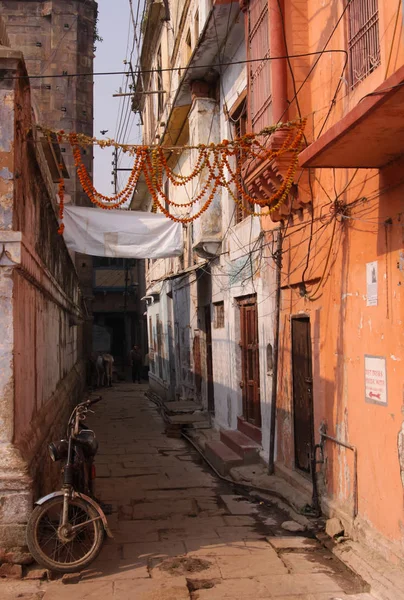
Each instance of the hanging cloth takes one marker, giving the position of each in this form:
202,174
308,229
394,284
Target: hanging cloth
121,233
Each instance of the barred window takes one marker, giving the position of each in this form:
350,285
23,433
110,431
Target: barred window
364,42
238,118
259,69
218,315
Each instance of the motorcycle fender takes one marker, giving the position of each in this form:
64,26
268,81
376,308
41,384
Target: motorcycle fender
87,499
48,497
99,511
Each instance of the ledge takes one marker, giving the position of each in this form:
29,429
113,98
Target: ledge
369,136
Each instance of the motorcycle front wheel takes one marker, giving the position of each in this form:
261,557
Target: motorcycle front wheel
67,549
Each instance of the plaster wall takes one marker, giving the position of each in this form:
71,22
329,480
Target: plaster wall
244,268
324,277
42,372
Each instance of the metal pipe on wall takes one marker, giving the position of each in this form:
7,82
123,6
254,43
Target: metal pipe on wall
279,90
279,84
325,436
272,433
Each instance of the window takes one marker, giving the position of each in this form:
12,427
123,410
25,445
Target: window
259,75
238,120
188,46
159,75
196,24
218,321
364,43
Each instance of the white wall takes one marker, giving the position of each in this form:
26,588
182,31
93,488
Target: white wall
244,268
244,265
160,365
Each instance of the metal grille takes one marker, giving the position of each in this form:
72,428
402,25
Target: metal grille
364,43
260,79
239,119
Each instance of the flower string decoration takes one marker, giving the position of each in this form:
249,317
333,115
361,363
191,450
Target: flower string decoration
216,166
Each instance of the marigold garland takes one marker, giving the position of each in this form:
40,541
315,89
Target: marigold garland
210,165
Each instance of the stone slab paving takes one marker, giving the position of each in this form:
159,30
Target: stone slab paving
179,532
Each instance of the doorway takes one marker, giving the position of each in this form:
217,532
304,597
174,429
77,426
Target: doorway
209,359
250,372
303,417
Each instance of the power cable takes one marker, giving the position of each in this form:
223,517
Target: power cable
171,69
68,30
319,53
288,60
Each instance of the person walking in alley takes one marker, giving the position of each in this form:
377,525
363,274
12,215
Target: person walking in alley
136,362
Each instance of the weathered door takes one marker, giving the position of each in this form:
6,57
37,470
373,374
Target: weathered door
302,392
250,380
209,360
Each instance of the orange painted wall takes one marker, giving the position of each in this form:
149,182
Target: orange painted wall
343,327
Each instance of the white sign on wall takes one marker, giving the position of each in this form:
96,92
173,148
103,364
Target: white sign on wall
371,283
375,379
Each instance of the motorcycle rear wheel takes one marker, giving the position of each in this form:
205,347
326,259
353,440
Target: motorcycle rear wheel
68,555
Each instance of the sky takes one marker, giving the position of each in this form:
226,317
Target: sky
113,114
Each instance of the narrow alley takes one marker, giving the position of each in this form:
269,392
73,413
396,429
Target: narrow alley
179,532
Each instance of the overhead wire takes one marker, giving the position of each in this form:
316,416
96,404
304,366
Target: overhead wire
128,119
319,55
172,69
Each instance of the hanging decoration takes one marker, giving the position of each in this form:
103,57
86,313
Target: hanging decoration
216,165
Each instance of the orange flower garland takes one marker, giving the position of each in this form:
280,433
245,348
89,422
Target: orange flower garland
211,162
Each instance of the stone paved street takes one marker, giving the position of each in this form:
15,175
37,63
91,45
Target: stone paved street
181,533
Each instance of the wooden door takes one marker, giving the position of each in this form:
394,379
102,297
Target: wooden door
302,392
250,380
209,360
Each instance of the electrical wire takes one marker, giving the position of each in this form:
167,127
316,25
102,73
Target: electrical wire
172,69
320,54
48,60
295,97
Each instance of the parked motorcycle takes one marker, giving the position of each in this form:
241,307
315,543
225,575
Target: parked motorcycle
66,529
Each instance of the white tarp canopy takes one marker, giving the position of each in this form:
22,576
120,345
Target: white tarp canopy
121,233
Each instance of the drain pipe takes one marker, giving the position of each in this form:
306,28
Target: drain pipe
272,433
324,436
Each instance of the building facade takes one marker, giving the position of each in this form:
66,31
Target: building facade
58,38
196,301
42,368
288,327
44,290
340,339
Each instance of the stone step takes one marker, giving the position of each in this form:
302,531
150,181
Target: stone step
251,431
180,407
222,457
245,447
198,420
